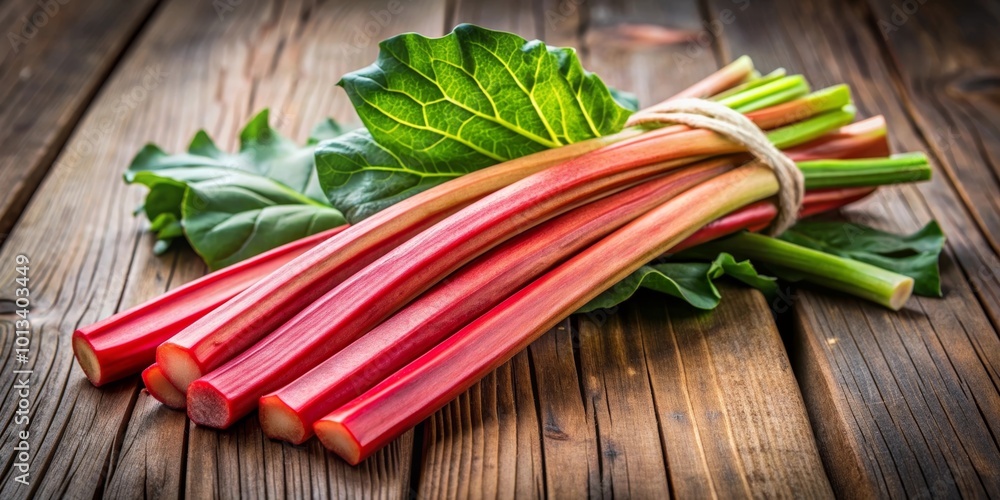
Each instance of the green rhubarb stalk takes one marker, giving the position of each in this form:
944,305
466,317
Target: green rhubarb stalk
751,84
821,100
898,169
846,275
807,130
777,92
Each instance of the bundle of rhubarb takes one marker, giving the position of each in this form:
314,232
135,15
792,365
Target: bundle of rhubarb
494,190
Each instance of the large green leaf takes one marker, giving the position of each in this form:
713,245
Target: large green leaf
438,108
264,154
692,282
231,219
360,177
915,255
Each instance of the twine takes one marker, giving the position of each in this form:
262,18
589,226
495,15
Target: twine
701,113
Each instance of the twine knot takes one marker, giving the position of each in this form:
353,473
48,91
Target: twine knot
701,113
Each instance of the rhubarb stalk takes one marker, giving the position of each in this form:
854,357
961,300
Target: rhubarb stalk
289,413
125,343
328,324
853,277
371,420
219,336
758,216
161,389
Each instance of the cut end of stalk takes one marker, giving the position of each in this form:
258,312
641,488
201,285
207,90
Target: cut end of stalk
87,359
161,389
901,294
178,365
279,421
338,438
207,406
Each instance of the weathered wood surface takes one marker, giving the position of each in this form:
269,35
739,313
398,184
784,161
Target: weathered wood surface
633,433
648,400
904,404
53,59
90,257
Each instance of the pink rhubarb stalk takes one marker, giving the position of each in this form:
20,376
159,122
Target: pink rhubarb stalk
759,216
368,297
125,343
228,330
373,419
161,389
471,291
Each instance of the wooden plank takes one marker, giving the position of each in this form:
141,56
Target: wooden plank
487,442
715,440
903,404
731,419
944,54
572,465
217,69
599,387
55,57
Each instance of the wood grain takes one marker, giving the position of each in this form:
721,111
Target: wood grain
604,429
215,69
645,401
53,60
487,443
951,81
903,404
662,48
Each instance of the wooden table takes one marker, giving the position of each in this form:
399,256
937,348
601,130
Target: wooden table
813,394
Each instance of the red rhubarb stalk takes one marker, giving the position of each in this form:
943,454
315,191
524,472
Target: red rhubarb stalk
862,139
471,291
161,389
373,419
368,297
208,343
289,413
125,343
758,216
271,301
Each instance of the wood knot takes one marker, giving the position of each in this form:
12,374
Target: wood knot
554,432
976,84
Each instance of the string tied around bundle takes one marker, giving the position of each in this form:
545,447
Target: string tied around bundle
733,125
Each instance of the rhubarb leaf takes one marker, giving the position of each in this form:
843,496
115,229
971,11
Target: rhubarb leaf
915,255
243,215
479,97
439,108
692,282
263,153
360,177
